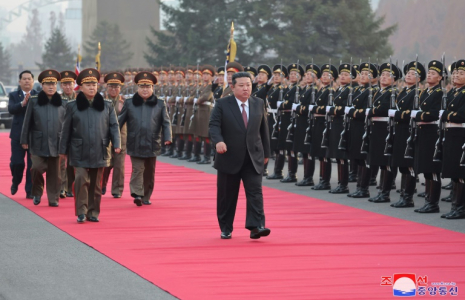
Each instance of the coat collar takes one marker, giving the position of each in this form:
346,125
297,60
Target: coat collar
42,99
138,101
82,103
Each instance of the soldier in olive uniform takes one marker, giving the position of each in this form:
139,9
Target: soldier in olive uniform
379,131
401,115
67,83
148,124
357,128
176,104
191,112
202,116
329,73
274,97
454,139
41,131
285,141
188,109
89,127
114,81
171,105
231,68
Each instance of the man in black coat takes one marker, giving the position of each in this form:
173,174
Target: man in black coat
239,131
17,107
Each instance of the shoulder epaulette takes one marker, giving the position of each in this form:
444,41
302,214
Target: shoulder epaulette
34,96
438,89
73,100
108,100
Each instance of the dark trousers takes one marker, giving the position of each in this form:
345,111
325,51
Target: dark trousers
228,191
50,166
142,177
88,191
17,165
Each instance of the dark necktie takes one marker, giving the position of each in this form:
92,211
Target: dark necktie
244,115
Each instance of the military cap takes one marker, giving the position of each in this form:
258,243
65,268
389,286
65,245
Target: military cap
411,66
357,68
313,68
460,64
234,66
49,76
156,71
181,70
114,78
209,69
280,69
171,70
251,70
127,72
345,68
386,67
437,66
68,76
264,69
370,68
163,70
89,75
452,67
145,78
190,69
297,68
330,69
220,71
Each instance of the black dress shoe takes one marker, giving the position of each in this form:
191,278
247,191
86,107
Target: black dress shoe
62,194
93,219
104,190
352,178
36,200
421,194
305,182
138,201
383,198
225,235
447,199
265,173
340,189
146,202
204,161
53,204
428,208
322,186
257,233
69,194
362,193
456,214
447,186
402,203
275,176
185,157
29,196
116,196
288,179
351,194
81,218
373,182
194,158
14,188
374,198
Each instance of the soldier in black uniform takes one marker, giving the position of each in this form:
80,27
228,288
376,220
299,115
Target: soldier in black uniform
253,73
454,138
217,86
307,98
357,123
379,117
353,167
336,113
261,88
273,98
287,118
329,73
401,115
426,119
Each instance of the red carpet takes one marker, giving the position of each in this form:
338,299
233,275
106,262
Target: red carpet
316,250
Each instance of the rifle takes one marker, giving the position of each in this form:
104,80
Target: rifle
409,151
343,142
308,131
366,136
391,123
291,127
197,97
176,112
183,117
277,124
325,139
437,156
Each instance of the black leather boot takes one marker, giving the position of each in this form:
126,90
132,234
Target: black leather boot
278,168
407,190
433,198
169,150
180,148
386,185
456,190
188,154
353,171
448,186
292,170
364,184
207,150
359,178
196,156
343,175
459,211
325,168
309,169
451,195
176,148
428,184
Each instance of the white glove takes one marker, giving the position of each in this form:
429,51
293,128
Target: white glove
177,99
440,113
367,111
310,107
270,81
279,103
392,112
328,108
294,106
414,113
347,109
195,100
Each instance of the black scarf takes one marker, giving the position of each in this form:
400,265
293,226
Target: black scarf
137,100
42,99
82,103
